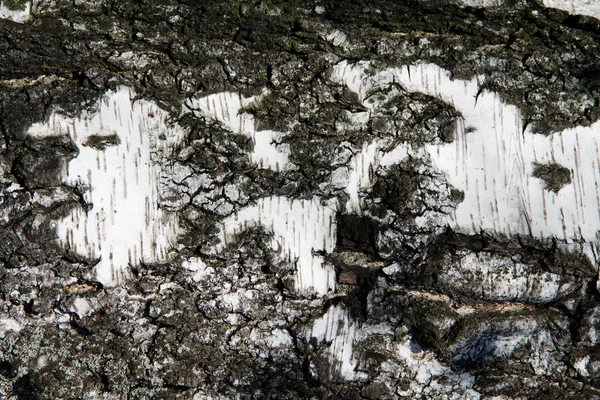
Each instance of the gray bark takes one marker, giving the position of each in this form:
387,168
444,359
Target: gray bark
390,306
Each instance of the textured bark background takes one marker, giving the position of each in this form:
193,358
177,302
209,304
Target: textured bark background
299,199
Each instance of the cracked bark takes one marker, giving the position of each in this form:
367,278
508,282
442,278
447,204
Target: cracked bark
302,231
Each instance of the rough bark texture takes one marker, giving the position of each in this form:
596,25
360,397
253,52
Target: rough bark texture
422,310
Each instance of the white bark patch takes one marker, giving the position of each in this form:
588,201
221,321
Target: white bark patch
422,364
81,307
279,338
493,163
299,227
361,166
228,109
10,324
590,8
19,16
337,38
122,148
581,366
394,156
232,300
480,3
337,328
198,267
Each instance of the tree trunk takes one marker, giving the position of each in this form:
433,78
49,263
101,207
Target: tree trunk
299,199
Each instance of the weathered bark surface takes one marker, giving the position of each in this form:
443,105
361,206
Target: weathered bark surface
299,199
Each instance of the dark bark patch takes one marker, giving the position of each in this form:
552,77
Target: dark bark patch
101,142
554,175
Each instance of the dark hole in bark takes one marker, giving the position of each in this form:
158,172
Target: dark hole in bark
357,233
